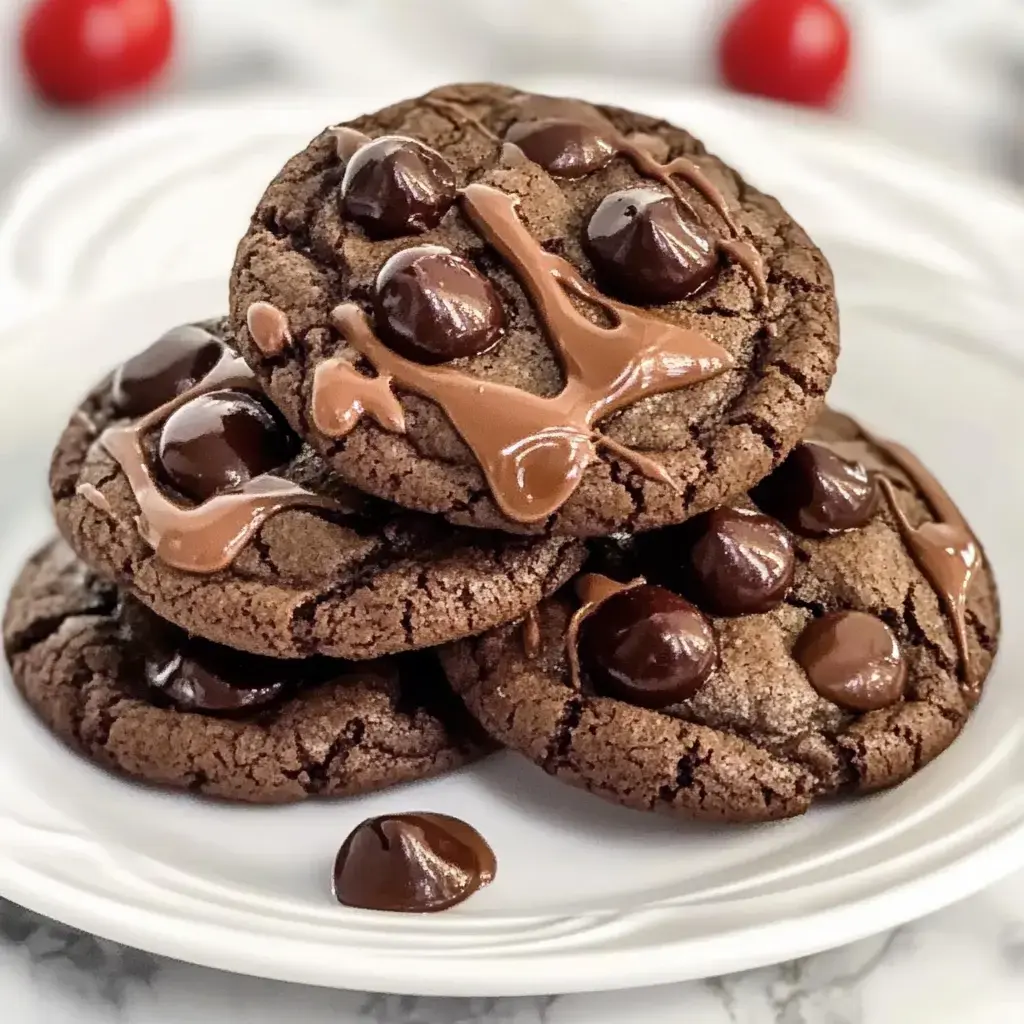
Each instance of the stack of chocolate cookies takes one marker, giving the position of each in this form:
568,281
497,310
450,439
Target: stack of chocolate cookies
514,435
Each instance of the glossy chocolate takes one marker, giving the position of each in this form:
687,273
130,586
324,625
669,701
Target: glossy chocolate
175,362
742,562
817,492
197,675
412,864
566,149
221,440
532,449
204,538
946,551
396,186
647,248
647,646
852,659
434,306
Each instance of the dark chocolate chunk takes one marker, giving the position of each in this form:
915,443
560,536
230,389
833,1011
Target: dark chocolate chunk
566,149
742,561
175,362
817,492
411,863
647,646
647,248
221,440
853,660
432,305
397,186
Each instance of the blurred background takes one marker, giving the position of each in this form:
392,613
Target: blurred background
941,76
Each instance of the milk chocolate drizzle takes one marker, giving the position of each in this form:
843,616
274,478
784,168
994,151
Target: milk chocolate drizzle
207,537
946,551
593,590
531,634
533,450
269,328
347,141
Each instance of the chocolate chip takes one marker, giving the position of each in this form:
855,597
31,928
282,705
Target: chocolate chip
221,440
397,186
411,863
742,561
647,646
853,660
566,149
643,243
432,305
817,492
220,683
196,675
175,362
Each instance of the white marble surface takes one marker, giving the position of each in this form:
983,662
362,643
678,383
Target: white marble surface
965,964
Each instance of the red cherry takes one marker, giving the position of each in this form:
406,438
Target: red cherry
794,50
82,51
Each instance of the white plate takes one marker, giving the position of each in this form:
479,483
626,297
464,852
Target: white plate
588,896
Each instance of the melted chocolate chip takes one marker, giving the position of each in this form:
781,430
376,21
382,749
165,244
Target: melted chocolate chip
852,659
742,561
411,863
175,362
647,646
646,247
566,149
397,186
432,306
817,492
221,440
196,675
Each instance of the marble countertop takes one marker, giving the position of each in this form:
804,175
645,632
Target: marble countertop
964,965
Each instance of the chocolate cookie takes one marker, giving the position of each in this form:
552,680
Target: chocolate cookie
533,314
142,698
179,481
830,634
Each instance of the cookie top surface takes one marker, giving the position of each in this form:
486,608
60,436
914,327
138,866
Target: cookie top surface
141,697
210,512
533,314
761,665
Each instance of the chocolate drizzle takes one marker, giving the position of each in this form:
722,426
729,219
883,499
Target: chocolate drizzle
268,327
533,450
531,635
347,140
593,590
945,551
603,136
207,537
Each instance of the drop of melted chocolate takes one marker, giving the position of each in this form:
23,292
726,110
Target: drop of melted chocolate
433,306
647,249
397,186
196,675
411,863
647,646
221,440
175,362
